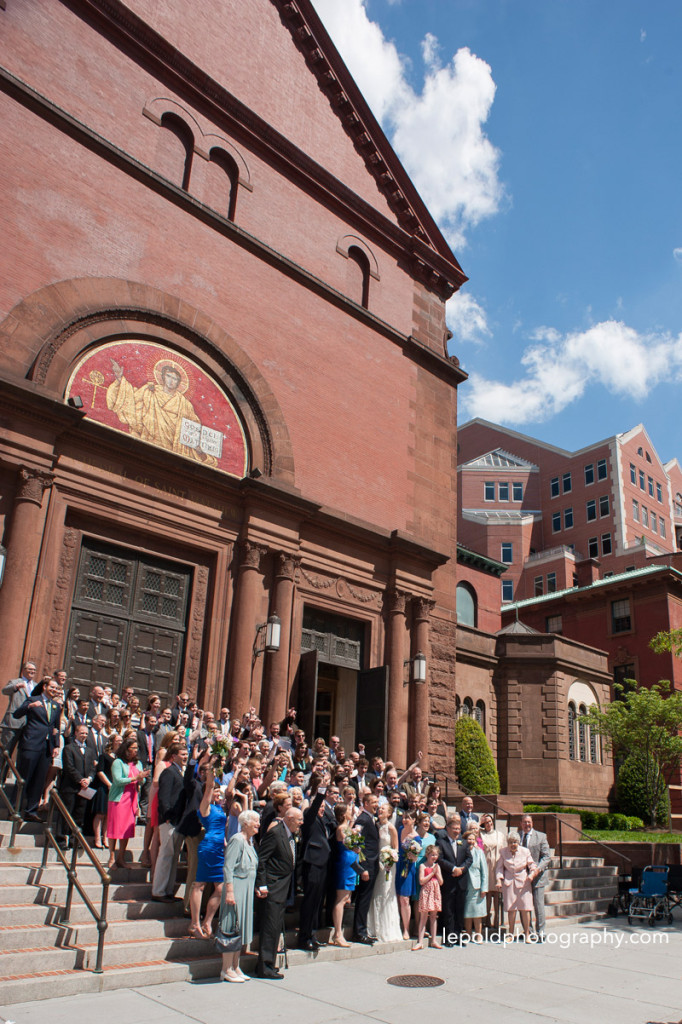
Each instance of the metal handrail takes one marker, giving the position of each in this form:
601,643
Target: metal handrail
13,809
545,815
78,840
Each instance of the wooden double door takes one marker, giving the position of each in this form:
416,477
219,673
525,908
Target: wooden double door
128,621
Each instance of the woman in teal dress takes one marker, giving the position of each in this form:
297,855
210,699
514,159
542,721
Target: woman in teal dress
406,884
210,854
347,871
477,887
239,882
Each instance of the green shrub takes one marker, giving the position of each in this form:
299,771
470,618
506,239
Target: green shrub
588,819
631,790
476,769
619,822
634,822
603,821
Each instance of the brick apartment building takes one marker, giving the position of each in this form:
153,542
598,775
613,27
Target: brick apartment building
224,381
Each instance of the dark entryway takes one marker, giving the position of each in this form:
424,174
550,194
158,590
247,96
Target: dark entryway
128,621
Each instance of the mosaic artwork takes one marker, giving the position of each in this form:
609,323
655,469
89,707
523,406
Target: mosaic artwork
161,397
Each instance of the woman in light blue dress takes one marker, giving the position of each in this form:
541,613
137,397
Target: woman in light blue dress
477,887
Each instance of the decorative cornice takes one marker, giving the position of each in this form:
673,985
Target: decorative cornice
422,608
252,554
287,565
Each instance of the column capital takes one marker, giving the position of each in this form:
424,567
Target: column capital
32,484
252,554
286,565
395,600
422,608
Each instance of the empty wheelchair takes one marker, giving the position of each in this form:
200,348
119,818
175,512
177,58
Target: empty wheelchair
651,901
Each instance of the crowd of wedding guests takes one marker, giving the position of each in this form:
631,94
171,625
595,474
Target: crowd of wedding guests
266,818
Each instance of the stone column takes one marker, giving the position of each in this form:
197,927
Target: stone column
244,621
276,669
420,703
398,693
23,551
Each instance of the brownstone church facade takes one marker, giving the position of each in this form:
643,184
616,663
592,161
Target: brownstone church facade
225,391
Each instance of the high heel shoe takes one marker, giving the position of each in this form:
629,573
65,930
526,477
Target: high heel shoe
229,975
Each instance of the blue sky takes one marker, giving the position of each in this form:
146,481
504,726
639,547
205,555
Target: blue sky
546,137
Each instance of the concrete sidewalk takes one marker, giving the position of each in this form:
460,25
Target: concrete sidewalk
602,973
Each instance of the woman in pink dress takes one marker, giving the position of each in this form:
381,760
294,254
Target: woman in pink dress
126,775
515,871
430,902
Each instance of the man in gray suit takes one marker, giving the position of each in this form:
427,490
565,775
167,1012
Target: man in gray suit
541,854
17,690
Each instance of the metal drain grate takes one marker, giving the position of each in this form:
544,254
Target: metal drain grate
415,981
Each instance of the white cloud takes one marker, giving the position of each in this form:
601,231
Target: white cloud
437,133
559,368
466,318
677,254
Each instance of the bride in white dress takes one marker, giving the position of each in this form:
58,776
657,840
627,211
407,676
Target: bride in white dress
383,920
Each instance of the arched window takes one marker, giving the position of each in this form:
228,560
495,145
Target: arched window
571,731
582,734
223,182
176,149
594,746
358,276
467,605
479,713
468,707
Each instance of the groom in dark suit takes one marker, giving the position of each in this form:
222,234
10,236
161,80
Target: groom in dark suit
39,739
78,770
319,827
276,865
366,824
455,861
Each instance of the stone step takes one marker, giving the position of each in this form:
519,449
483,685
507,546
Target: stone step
592,872
577,862
30,914
135,975
54,874
27,841
555,884
18,893
576,908
582,893
32,936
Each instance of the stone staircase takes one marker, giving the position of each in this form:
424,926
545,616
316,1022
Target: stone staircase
579,891
146,942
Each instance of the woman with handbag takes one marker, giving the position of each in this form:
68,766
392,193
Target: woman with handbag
236,907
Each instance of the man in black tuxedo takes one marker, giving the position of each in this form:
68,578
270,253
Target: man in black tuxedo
78,770
276,865
455,861
171,810
366,824
81,717
319,827
39,739
96,741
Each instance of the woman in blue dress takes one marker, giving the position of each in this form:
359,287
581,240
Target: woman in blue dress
347,871
406,881
210,854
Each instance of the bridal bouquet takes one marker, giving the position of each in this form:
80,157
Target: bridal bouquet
412,851
387,858
354,840
221,749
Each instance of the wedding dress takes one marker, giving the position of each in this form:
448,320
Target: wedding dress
383,919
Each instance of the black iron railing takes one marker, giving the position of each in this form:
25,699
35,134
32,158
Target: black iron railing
12,804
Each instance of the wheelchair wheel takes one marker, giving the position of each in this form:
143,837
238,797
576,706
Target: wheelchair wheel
670,918
652,920
629,920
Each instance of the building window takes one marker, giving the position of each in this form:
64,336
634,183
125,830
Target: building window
620,616
567,483
551,582
479,714
604,505
654,522
507,550
635,510
647,457
594,745
554,624
538,586
645,516
503,491
582,734
226,183
591,510
606,543
517,491
662,523
640,451
507,590
593,547
571,731
568,518
650,483
641,480
633,474
489,490
466,604
601,469
556,522
659,493
358,276
589,473
623,672
678,504
554,487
